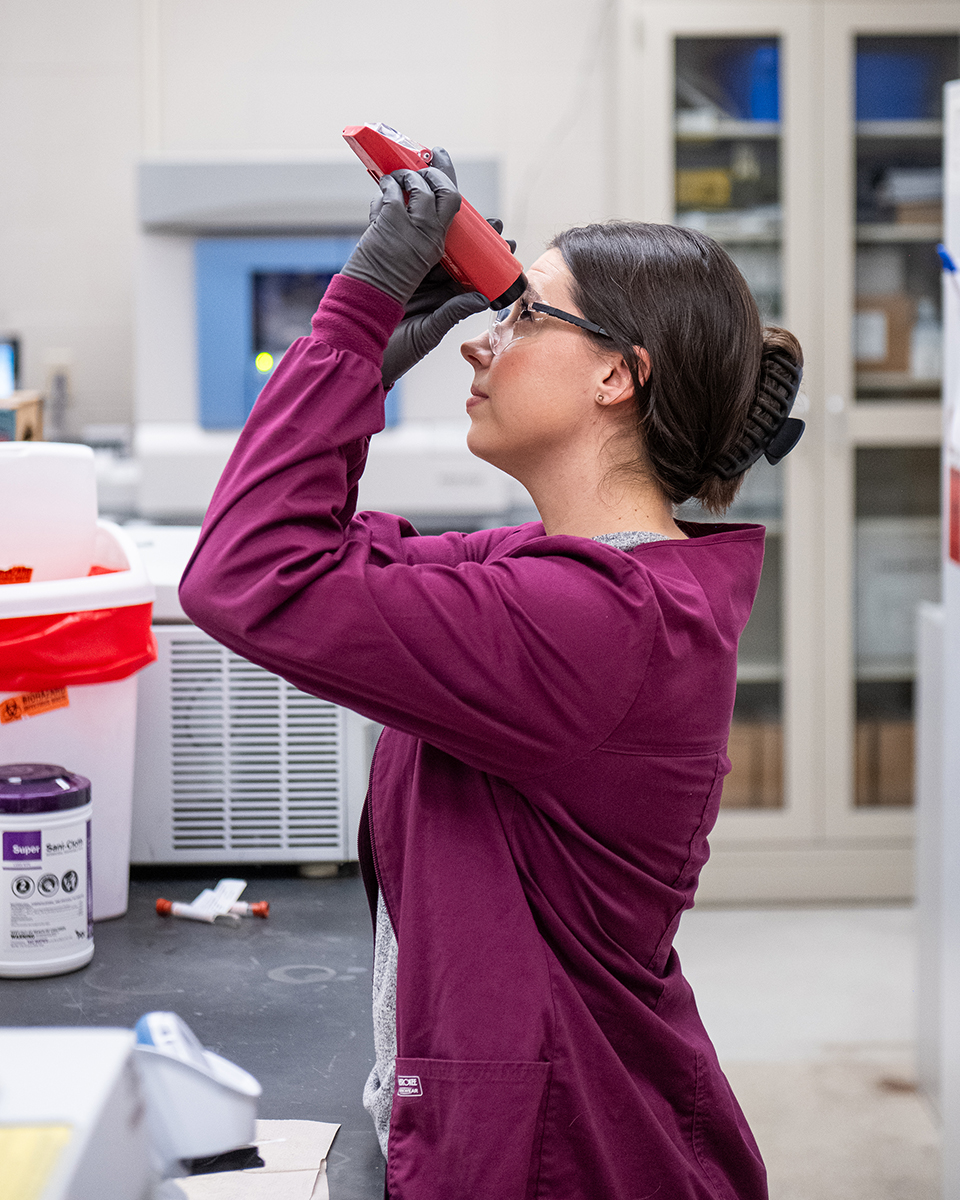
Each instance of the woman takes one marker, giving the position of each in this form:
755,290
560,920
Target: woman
557,696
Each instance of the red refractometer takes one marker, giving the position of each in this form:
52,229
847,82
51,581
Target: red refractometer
475,254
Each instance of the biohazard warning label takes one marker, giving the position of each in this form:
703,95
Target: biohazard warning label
18,574
32,704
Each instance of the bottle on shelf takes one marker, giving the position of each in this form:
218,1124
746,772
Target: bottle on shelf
926,339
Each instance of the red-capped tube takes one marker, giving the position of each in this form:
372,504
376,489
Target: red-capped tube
176,908
475,254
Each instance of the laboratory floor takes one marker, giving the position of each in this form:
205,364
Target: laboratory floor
813,1013
811,1010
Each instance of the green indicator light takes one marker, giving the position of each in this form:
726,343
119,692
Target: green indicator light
264,362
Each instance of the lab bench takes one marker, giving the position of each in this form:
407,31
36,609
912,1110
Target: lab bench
288,998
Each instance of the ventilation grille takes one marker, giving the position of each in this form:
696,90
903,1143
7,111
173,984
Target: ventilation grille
256,763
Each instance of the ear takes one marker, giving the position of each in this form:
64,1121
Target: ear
617,385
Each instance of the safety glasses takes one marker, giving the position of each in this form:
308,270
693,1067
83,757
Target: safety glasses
523,318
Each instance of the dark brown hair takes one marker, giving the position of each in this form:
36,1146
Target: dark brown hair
677,294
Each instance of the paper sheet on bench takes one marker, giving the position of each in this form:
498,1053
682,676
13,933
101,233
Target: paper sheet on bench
294,1169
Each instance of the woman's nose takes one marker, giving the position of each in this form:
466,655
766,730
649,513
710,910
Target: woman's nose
477,351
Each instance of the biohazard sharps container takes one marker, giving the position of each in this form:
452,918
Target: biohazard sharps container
46,920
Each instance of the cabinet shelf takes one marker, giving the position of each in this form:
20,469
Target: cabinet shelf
893,232
733,516
740,238
900,129
734,230
773,525
759,672
885,670
896,384
699,128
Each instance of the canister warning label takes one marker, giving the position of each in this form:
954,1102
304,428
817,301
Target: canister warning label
17,574
32,704
43,890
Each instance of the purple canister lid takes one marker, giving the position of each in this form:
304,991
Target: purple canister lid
40,788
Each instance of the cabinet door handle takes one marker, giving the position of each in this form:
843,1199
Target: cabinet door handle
836,423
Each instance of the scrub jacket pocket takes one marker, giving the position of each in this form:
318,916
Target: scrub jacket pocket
465,1130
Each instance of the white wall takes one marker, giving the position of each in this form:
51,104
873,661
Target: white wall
69,138
165,376
89,89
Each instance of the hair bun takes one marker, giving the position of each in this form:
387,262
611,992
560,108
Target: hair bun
770,430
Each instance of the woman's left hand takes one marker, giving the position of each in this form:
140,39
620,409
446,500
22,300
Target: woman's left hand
405,239
438,304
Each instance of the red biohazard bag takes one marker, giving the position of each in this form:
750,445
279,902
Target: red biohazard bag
62,649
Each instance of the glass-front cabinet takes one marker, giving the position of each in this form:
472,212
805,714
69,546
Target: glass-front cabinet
728,185
898,213
897,355
897,565
806,137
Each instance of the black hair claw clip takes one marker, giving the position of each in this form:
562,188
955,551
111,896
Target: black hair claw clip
771,432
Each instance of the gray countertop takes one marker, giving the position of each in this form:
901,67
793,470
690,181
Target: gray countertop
287,999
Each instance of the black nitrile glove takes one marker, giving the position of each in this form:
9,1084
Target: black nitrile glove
420,332
435,307
405,238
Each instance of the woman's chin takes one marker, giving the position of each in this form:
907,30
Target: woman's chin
476,444
493,455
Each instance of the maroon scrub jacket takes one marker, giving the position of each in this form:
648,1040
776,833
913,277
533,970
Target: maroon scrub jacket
557,714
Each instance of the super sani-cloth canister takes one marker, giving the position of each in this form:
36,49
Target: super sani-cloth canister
46,920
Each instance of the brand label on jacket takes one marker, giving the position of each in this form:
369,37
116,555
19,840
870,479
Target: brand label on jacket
409,1085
